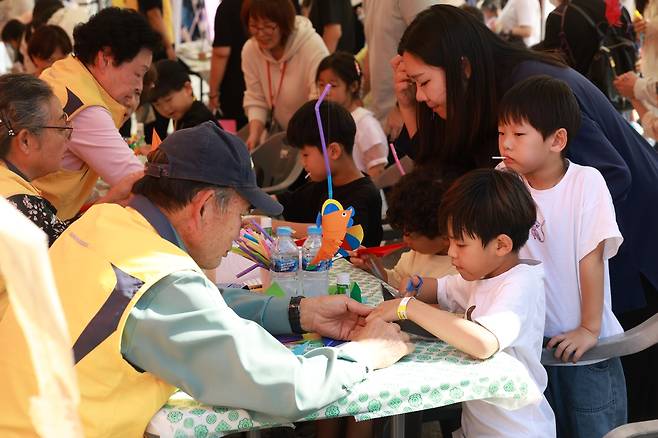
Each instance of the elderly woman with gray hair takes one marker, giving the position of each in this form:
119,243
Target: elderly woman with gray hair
33,133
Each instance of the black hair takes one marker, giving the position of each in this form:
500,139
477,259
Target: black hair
172,194
45,40
413,203
171,76
476,12
546,103
451,38
42,12
346,67
337,123
24,104
485,203
13,31
124,31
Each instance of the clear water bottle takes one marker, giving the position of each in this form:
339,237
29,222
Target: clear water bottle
285,262
315,279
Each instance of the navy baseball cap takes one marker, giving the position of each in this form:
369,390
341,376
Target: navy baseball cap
208,154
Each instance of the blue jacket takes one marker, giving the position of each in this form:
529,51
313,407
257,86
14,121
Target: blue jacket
630,168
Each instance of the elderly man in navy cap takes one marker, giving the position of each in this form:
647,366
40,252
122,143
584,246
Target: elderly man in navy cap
144,320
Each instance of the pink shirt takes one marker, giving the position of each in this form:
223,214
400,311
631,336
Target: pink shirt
97,142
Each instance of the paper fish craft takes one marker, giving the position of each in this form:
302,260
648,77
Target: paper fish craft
339,233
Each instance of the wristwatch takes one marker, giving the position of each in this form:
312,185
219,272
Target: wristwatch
293,314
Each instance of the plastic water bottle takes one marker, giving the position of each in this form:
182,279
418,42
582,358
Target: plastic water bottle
285,262
315,279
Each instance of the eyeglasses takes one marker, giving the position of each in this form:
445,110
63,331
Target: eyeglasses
66,130
267,29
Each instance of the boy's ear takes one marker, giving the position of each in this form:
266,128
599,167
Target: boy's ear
466,67
559,140
188,88
504,245
335,150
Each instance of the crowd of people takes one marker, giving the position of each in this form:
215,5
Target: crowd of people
529,214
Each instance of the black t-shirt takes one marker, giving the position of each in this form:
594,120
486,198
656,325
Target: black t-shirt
229,32
581,37
304,204
324,12
197,114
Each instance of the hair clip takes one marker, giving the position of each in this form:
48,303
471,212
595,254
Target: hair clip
4,121
156,170
358,68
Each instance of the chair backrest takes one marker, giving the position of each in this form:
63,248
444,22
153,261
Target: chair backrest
644,429
391,174
276,164
636,339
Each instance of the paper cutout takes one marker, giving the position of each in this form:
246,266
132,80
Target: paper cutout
155,140
338,232
355,292
397,160
275,291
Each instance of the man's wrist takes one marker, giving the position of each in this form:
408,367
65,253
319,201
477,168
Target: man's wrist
295,313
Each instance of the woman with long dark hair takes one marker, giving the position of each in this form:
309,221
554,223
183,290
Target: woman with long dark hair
450,77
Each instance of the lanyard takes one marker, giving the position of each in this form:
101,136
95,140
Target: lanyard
269,83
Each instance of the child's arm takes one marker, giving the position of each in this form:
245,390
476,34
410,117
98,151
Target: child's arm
467,336
300,230
427,291
578,341
366,263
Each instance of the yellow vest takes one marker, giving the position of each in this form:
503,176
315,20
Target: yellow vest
166,13
102,263
11,184
76,88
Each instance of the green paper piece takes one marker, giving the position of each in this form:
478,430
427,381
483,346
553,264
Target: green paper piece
332,290
275,290
355,292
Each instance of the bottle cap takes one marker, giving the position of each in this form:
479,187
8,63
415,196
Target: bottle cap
283,231
314,230
343,278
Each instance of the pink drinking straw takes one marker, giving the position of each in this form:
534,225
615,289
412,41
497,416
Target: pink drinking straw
322,139
397,160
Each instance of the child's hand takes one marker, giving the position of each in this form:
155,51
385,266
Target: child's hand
575,342
359,262
388,311
408,286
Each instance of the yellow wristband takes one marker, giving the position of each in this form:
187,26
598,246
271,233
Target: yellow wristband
402,307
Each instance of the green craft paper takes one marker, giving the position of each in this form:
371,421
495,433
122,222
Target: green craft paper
275,291
355,292
332,290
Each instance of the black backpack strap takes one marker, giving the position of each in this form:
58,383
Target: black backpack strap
589,21
561,11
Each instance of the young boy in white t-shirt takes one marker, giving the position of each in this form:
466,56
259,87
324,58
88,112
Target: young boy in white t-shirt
487,215
574,236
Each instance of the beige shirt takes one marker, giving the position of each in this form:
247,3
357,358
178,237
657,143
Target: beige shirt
424,265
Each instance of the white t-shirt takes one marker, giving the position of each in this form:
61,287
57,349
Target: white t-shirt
370,144
522,13
572,219
511,306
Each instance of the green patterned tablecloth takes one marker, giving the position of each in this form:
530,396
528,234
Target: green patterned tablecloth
434,375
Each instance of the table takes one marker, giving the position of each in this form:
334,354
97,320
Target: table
434,375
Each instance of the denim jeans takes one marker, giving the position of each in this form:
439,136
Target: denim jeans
588,400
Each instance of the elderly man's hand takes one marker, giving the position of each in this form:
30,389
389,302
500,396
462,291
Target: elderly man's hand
333,316
380,343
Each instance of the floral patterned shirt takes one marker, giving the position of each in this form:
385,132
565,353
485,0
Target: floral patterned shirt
42,214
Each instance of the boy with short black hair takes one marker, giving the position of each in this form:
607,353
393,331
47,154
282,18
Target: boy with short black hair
350,187
487,215
173,97
574,236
